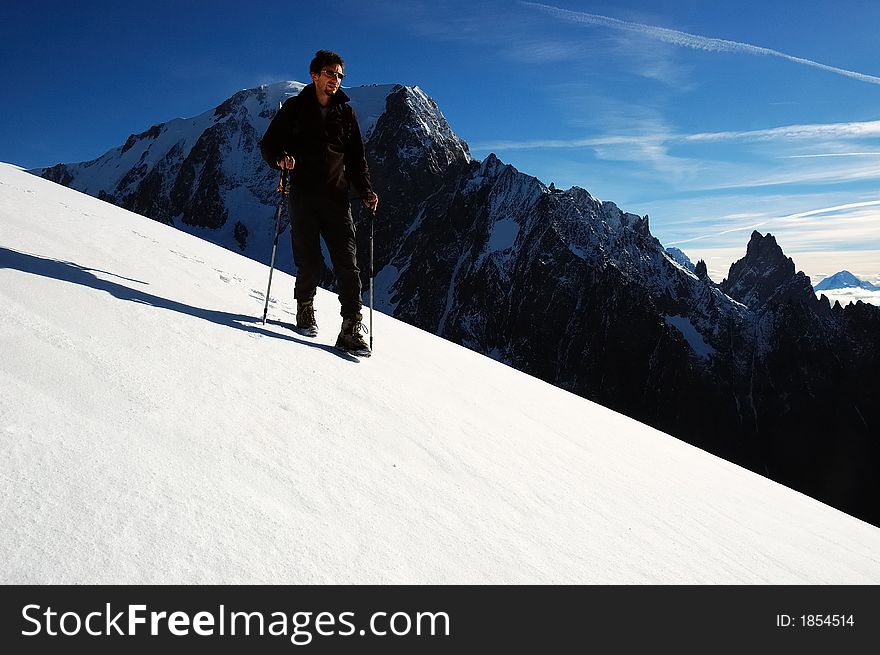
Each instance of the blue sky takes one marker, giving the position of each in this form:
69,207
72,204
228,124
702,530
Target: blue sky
713,118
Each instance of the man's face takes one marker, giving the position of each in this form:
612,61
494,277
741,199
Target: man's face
328,80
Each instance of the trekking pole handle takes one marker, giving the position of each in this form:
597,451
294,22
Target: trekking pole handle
283,182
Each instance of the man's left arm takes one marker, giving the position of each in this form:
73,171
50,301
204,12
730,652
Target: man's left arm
356,168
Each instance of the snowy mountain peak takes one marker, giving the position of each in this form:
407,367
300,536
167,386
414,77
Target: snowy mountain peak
679,256
205,173
414,121
844,280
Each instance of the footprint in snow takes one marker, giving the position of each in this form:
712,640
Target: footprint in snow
229,279
187,257
144,236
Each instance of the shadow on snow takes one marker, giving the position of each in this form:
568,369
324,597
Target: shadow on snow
76,274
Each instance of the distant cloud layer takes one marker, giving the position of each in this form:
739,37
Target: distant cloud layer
693,41
846,296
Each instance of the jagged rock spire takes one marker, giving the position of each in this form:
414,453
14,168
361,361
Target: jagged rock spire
766,275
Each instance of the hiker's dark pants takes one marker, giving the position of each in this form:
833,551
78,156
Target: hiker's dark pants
327,216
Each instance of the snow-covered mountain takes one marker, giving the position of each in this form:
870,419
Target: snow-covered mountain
555,283
844,280
846,288
155,432
678,255
205,174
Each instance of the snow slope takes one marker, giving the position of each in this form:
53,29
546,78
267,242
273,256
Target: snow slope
153,431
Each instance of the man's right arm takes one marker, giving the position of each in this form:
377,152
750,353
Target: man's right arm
276,144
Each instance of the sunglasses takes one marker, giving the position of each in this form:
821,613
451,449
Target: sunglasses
338,76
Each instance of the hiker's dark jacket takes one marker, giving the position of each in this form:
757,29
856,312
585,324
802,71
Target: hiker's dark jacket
329,151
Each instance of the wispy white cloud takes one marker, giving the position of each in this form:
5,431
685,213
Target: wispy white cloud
851,130
534,50
851,221
833,210
825,131
823,175
832,154
693,41
554,144
714,235
650,150
489,24
749,159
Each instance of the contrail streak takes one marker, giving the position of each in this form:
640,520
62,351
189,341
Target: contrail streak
803,214
830,210
833,154
694,41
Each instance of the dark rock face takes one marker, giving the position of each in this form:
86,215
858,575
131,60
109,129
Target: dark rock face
765,275
59,173
241,234
196,196
681,258
812,386
152,133
560,285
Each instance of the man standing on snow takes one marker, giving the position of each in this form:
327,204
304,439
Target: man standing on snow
316,135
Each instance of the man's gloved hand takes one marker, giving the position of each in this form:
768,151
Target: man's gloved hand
286,163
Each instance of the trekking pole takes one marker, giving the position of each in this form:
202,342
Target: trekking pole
283,184
372,220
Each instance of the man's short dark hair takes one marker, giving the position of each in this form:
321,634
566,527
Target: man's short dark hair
325,58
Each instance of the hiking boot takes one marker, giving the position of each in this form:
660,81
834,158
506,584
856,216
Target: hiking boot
350,338
305,318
